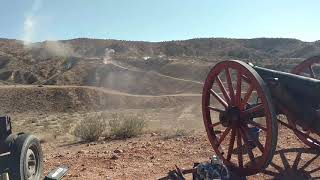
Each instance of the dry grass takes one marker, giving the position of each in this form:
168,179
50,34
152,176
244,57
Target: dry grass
91,128
126,126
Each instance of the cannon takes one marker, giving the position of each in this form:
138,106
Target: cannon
242,105
21,156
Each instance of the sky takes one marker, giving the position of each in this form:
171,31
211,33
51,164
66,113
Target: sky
158,20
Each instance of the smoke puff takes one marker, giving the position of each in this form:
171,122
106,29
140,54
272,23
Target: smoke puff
57,48
30,22
108,53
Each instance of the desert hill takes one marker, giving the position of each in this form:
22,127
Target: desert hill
67,99
126,74
133,67
50,87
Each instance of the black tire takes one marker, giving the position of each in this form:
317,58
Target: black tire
26,158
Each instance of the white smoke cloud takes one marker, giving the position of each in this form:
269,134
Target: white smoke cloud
108,53
28,30
57,48
30,22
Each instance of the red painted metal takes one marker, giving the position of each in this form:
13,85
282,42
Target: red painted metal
238,111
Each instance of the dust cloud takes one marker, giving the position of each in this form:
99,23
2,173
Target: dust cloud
108,53
30,23
61,49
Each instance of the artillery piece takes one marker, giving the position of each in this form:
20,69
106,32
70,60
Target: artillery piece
242,105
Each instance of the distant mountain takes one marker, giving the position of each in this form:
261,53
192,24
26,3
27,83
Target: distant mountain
135,66
207,47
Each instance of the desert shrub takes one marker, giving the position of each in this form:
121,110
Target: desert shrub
90,128
126,126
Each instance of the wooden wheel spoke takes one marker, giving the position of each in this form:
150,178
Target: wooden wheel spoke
231,144
312,74
259,145
251,156
245,140
215,109
296,161
309,162
246,97
255,109
313,140
238,92
215,124
239,147
229,81
309,138
224,134
222,101
314,170
223,89
256,141
277,167
252,122
247,80
270,173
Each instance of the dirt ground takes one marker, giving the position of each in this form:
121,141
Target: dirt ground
52,112
152,156
166,90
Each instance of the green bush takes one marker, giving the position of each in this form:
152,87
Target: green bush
91,128
126,126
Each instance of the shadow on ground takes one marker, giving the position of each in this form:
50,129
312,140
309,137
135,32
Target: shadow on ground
290,164
294,163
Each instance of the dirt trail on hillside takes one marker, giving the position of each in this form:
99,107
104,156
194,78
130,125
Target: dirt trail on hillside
154,72
109,91
26,98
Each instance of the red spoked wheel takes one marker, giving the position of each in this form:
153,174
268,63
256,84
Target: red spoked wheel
239,117
309,68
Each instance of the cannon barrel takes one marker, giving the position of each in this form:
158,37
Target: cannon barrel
299,94
304,87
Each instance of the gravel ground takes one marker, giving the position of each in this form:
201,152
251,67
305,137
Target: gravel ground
152,156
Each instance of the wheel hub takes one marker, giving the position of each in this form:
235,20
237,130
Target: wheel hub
231,117
31,164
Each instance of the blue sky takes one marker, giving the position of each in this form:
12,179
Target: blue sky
159,20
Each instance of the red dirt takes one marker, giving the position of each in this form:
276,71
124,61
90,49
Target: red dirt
152,157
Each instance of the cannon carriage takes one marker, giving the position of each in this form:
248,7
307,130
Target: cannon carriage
243,104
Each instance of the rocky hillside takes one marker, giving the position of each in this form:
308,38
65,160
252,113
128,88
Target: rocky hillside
140,67
59,99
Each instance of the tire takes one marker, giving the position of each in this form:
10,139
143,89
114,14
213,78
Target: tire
26,158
